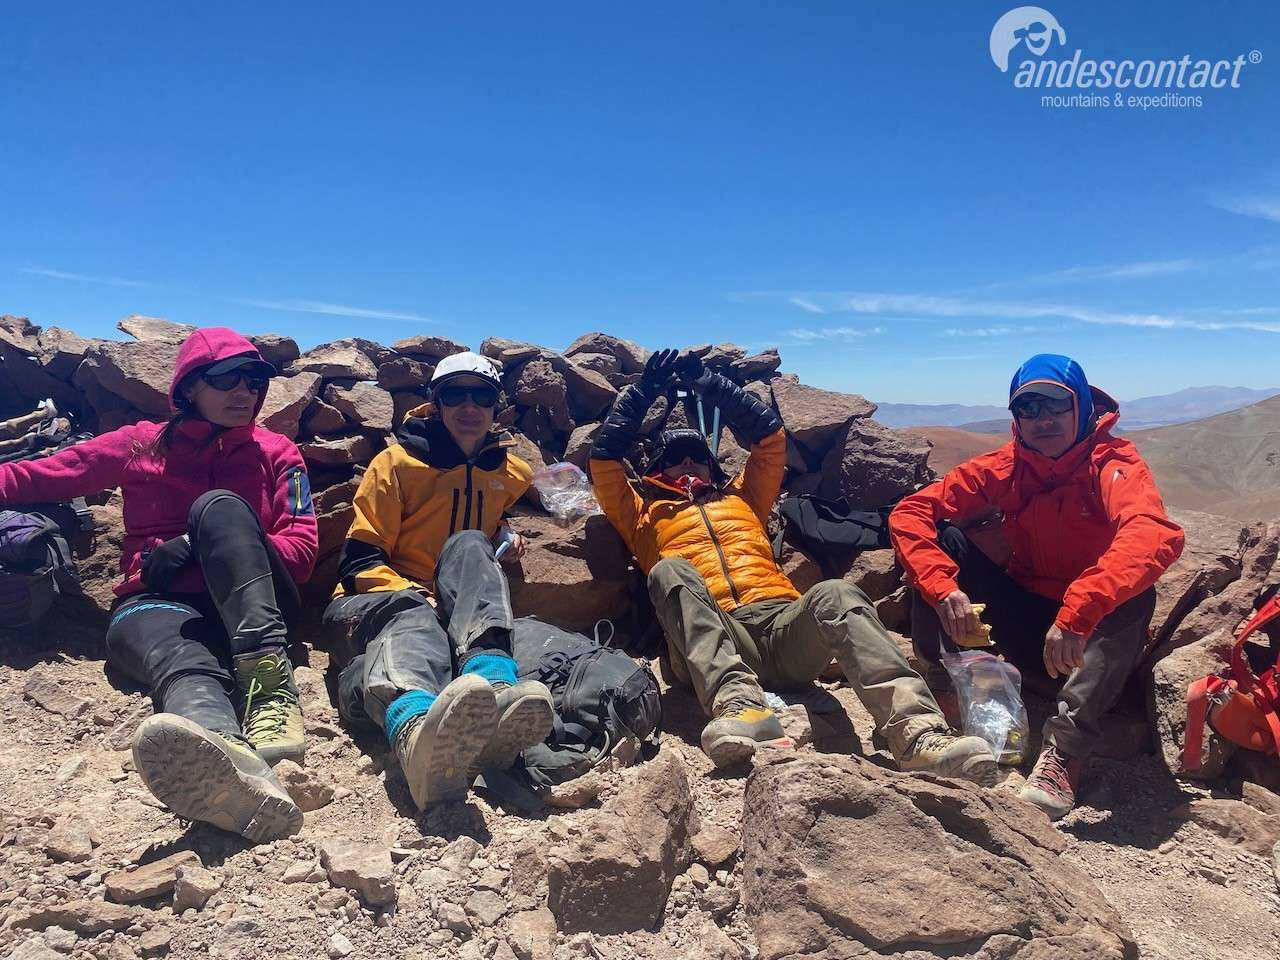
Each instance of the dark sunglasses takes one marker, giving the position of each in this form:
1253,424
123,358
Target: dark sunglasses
456,396
230,379
670,460
1031,408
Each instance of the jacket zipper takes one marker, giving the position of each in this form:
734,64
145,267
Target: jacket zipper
453,516
724,564
466,516
479,509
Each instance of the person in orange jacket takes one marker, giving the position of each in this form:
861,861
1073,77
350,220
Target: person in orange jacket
733,620
1087,536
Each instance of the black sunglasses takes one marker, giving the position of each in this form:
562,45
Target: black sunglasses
1031,408
456,396
230,379
678,456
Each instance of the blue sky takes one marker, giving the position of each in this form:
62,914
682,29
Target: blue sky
856,183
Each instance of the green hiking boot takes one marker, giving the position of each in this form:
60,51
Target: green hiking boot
526,713
272,717
733,736
205,776
438,750
944,753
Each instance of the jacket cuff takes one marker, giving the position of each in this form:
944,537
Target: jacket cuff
937,589
1071,621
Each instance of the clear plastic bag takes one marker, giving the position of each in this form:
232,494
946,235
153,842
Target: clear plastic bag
990,694
565,492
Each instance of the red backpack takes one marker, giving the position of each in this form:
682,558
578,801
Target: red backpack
1244,708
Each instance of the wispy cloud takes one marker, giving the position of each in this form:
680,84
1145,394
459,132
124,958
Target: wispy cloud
914,305
977,331
1123,271
81,278
1264,208
333,310
810,334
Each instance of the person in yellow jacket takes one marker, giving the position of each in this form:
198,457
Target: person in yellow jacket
733,620
422,601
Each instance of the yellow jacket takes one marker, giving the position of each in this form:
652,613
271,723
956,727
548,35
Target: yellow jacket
418,493
723,536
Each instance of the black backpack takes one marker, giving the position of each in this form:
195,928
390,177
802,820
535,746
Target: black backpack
828,532
36,561
601,696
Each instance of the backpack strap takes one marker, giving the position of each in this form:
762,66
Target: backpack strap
1197,719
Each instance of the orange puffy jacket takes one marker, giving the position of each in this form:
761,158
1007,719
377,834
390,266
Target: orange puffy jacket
724,537
1088,529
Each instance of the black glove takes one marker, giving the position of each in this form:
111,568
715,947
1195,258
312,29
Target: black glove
690,369
658,371
161,566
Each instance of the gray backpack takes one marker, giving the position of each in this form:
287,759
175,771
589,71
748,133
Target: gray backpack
601,696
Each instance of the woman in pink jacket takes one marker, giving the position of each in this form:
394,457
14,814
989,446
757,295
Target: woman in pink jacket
219,530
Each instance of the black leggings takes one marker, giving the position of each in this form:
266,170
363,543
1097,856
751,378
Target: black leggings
181,645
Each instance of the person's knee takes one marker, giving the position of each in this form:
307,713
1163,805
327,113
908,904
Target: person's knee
953,541
465,541
667,573
219,509
831,598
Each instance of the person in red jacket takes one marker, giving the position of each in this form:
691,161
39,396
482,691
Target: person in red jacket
219,529
1087,538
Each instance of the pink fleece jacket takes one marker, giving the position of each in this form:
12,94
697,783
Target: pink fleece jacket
261,466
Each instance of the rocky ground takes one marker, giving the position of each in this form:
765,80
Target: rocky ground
821,854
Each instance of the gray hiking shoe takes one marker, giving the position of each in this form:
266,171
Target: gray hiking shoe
525,715
438,751
733,736
943,753
201,775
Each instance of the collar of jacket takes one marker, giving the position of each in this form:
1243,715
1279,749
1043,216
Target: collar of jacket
659,488
427,438
202,432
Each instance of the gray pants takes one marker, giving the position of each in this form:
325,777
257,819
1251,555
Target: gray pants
401,642
784,644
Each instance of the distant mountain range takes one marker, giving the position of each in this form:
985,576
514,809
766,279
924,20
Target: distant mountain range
1193,403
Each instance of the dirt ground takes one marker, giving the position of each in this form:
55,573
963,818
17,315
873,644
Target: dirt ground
1186,893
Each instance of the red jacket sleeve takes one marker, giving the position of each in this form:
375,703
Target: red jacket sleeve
291,527
1145,545
968,489
79,470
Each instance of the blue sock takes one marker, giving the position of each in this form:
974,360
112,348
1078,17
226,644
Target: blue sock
404,708
494,667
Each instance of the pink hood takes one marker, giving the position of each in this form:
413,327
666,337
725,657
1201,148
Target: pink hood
205,347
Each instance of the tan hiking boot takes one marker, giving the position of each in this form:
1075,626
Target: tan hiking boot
526,713
206,776
439,749
943,753
1053,782
733,736
272,717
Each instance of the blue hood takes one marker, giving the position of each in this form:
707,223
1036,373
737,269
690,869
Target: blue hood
1065,372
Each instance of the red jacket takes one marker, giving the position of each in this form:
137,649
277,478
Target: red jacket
263,467
1088,529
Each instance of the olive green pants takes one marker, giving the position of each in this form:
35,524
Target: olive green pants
783,644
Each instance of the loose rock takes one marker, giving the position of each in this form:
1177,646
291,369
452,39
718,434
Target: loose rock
361,867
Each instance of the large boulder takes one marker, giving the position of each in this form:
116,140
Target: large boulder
430,347
616,873
405,373
138,372
816,418
363,403
20,334
155,329
872,466
61,351
539,384
571,576
1210,562
601,363
630,356
842,858
590,394
342,359
277,350
287,399
761,366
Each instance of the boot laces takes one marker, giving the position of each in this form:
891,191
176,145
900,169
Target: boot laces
268,701
1051,773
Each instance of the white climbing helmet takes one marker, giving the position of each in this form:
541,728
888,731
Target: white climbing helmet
465,364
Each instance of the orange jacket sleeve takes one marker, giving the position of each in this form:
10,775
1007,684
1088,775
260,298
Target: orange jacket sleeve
1145,545
617,498
967,489
760,480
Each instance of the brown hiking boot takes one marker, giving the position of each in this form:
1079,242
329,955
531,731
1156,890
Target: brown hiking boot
739,728
1053,782
944,753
